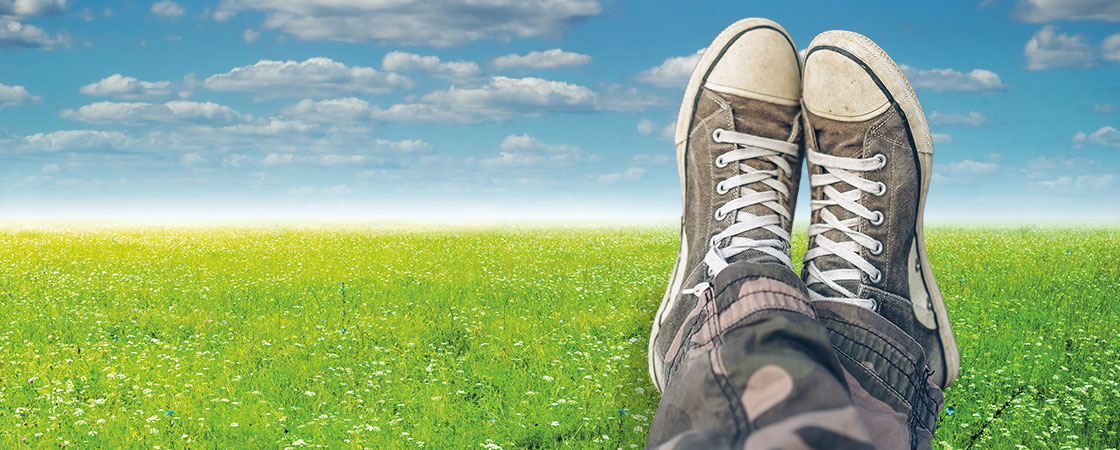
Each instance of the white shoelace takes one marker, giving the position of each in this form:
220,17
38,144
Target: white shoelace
728,242
838,169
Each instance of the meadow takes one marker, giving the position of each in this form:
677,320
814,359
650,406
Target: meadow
502,337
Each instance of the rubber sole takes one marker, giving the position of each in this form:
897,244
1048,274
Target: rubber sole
892,78
683,125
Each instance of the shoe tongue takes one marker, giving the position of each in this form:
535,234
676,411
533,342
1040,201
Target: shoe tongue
768,120
842,139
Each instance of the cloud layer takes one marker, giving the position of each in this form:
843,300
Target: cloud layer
673,72
15,96
952,80
117,85
409,62
384,22
548,59
134,113
314,77
1053,10
14,34
1104,136
1049,49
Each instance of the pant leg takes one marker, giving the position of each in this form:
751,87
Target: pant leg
755,365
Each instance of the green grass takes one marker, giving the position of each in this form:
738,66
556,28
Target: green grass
446,338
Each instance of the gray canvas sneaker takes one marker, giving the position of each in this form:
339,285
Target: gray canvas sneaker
869,153
738,152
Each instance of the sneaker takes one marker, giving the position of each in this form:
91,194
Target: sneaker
738,152
869,153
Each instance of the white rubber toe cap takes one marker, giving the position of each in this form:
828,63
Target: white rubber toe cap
762,65
838,88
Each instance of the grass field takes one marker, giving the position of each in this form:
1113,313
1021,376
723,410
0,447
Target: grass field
501,337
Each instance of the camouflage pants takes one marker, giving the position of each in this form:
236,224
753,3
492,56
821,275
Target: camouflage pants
755,365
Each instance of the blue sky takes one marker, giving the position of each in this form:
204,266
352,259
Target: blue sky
490,109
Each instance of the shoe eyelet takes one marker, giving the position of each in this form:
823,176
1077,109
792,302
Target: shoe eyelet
882,159
882,189
874,305
720,215
721,189
877,278
878,250
716,134
878,219
720,162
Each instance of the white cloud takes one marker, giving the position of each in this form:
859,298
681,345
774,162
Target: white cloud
315,77
278,158
1042,163
404,146
942,138
269,127
330,159
340,189
50,168
646,159
526,150
525,141
501,99
631,174
236,160
664,133
1110,48
409,62
627,98
190,159
1104,107
1049,49
335,160
14,34
15,96
77,139
1079,182
117,85
31,7
548,59
250,35
1105,136
969,167
167,8
131,113
450,23
973,118
335,110
370,155
530,93
1053,10
418,112
673,72
952,80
